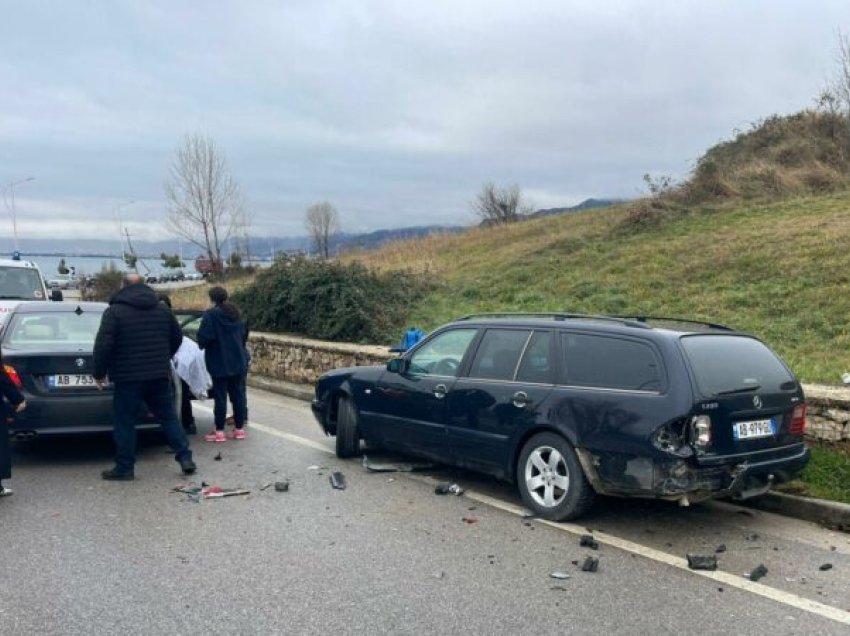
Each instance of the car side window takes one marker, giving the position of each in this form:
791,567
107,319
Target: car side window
442,354
536,366
498,354
612,363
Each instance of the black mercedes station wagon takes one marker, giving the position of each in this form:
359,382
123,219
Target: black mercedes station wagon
568,406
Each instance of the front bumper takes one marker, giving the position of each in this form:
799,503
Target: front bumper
614,474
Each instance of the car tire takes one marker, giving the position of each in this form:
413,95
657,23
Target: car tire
550,479
347,428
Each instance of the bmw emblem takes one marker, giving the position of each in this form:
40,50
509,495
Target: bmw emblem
757,401
80,362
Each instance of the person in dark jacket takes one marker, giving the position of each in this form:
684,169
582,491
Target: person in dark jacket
137,338
10,396
223,335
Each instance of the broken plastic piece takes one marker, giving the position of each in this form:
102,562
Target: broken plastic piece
702,562
587,541
448,489
591,564
217,457
758,573
337,480
281,486
559,575
825,567
215,492
720,548
469,520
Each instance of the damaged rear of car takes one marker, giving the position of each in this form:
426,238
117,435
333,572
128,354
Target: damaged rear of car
742,431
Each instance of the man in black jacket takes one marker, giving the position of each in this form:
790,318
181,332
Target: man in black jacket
137,338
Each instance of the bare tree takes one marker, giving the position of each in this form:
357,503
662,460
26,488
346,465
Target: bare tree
500,205
841,81
205,203
322,222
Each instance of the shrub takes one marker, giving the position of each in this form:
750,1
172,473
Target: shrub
103,284
330,301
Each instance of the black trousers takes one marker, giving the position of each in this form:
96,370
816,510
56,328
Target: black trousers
5,451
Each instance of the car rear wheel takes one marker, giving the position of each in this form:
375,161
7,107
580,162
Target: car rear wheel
347,429
551,481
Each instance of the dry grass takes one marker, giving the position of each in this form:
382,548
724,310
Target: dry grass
196,297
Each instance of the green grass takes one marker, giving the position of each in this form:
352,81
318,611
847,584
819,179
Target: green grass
779,270
826,477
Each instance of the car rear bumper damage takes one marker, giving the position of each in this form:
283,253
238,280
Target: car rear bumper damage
684,481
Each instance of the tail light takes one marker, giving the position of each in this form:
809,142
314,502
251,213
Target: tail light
13,375
797,426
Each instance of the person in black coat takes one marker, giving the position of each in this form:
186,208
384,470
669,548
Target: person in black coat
12,402
223,336
137,338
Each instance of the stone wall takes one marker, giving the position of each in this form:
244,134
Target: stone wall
302,361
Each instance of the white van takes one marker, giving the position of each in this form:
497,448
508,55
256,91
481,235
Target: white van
21,281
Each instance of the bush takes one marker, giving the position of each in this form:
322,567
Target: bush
330,301
104,284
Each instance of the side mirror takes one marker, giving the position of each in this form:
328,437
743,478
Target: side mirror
397,365
56,296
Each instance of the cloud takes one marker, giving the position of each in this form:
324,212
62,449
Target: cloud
396,112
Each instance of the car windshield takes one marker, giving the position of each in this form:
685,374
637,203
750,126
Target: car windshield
20,282
71,331
724,364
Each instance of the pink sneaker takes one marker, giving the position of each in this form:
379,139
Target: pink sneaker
218,436
239,433
229,433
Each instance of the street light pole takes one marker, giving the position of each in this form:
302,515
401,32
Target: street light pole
11,188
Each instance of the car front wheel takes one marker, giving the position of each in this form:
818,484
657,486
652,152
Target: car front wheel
550,479
347,429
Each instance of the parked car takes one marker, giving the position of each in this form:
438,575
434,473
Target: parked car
48,353
21,281
570,406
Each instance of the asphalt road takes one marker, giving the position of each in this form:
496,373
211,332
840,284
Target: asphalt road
82,556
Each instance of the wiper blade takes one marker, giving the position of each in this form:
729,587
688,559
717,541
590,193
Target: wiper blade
743,389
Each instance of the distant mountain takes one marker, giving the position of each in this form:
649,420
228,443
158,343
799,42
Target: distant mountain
372,240
587,204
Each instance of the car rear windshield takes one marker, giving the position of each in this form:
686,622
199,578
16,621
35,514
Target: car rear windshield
70,331
728,364
20,283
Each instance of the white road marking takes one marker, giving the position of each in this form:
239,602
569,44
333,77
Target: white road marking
718,576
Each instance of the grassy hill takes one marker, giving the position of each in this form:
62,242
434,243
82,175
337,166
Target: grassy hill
777,269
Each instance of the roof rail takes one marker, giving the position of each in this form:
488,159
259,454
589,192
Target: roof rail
686,321
622,320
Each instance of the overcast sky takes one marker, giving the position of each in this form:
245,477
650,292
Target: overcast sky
396,112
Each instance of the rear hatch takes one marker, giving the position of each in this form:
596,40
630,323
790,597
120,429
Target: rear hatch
753,402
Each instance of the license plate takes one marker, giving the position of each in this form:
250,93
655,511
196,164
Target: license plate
70,381
754,429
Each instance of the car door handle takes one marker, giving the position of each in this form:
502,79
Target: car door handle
440,391
520,399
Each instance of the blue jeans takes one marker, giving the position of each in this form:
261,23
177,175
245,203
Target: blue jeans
132,398
233,386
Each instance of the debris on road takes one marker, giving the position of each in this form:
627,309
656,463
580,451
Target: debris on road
439,575
448,489
559,575
394,467
587,541
217,457
469,520
265,486
825,567
591,564
702,561
337,480
281,486
215,492
558,588
720,549
758,573
752,537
